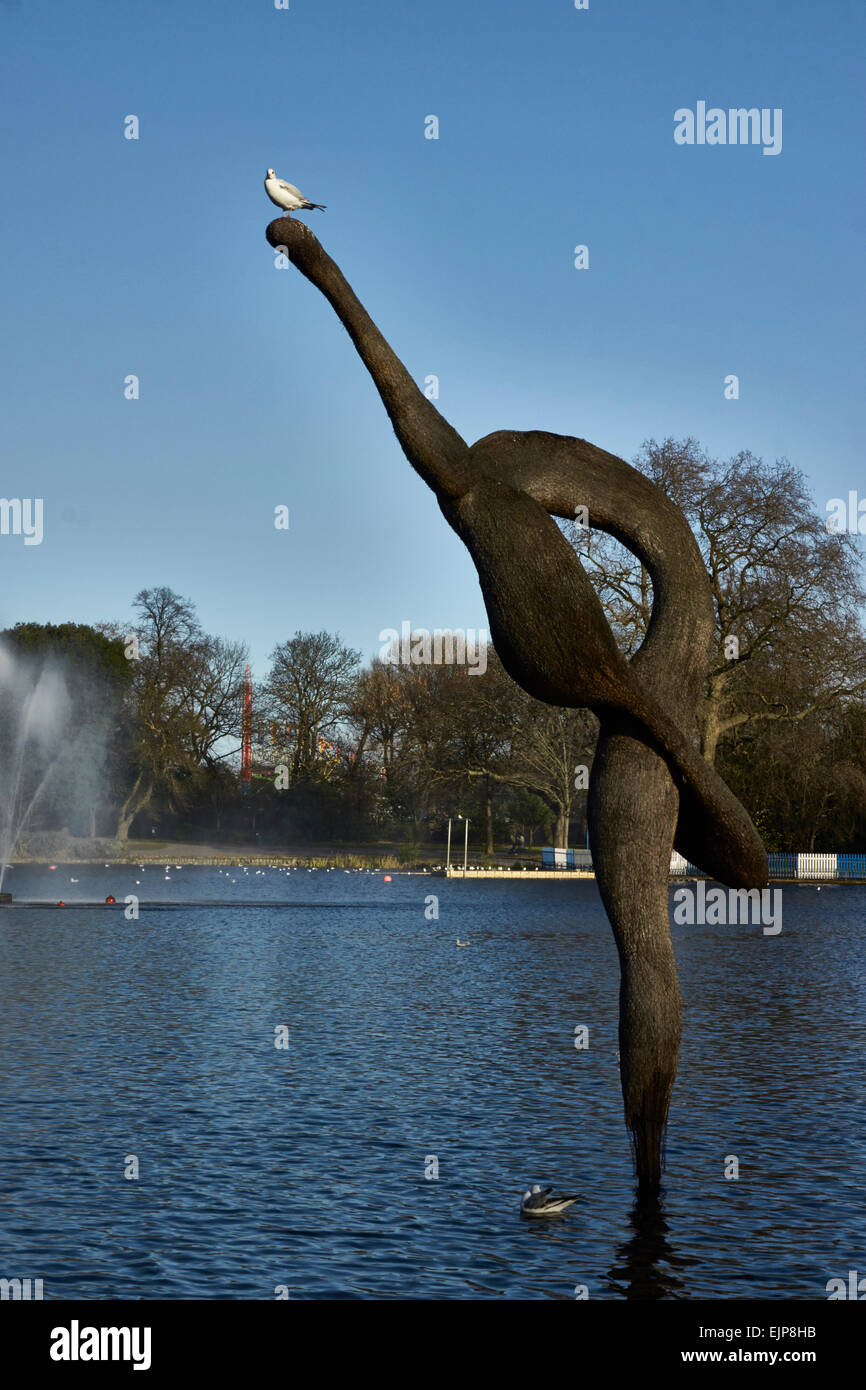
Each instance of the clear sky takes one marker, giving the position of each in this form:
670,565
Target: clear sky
556,128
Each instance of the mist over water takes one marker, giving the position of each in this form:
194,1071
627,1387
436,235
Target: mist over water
54,731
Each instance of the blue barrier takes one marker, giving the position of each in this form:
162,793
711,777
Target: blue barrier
783,865
806,866
566,859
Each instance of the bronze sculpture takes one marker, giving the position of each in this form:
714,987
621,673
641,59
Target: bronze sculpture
650,789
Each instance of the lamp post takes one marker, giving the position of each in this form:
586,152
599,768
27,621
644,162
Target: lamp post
465,844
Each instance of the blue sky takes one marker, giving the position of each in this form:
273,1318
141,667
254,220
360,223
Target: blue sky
556,128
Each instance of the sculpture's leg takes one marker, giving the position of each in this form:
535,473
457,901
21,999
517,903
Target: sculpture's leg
632,817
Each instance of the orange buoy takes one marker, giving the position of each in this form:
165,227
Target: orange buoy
61,903
52,866
110,899
387,878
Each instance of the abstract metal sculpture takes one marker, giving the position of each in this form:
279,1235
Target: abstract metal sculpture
650,789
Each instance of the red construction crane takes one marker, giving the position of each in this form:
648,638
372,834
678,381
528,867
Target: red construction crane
247,730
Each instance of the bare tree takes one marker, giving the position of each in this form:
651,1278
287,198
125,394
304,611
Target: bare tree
310,687
186,699
508,738
786,593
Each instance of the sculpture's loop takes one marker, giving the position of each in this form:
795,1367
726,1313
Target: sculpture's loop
530,575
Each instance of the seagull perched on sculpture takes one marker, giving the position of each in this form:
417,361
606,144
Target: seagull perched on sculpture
286,196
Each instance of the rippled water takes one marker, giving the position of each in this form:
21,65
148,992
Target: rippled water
262,1167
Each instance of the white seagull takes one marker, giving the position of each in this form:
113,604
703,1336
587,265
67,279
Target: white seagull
286,196
537,1203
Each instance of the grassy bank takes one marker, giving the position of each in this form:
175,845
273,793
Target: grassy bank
69,850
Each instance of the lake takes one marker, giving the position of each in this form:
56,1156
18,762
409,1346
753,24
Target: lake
304,1166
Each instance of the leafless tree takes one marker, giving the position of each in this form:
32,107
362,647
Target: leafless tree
310,687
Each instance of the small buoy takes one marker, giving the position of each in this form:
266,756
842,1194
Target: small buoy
52,866
61,903
387,878
110,899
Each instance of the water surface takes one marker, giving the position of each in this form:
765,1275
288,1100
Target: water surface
305,1167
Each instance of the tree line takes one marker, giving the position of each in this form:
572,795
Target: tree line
351,752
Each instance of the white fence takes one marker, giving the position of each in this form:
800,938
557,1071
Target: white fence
787,865
817,865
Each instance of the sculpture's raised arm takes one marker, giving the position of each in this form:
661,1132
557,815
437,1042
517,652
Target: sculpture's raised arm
649,785
432,446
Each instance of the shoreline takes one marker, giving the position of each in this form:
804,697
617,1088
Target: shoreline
372,864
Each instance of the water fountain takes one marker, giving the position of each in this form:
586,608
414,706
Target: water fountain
35,709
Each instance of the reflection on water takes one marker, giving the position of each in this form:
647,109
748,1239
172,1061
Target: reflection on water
648,1266
305,1167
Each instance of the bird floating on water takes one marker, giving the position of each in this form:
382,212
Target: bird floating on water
462,943
537,1203
286,196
